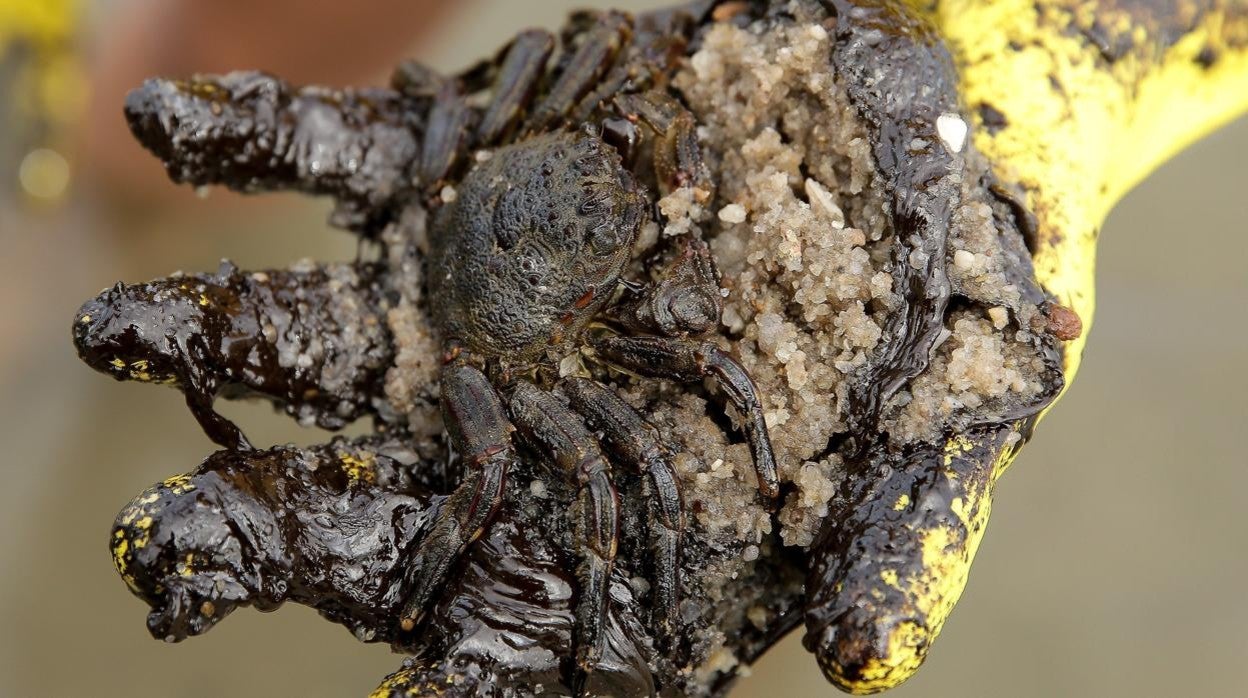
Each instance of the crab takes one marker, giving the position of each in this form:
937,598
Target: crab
537,196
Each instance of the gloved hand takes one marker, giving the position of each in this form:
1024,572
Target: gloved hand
1067,120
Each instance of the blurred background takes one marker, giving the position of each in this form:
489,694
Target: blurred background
1117,554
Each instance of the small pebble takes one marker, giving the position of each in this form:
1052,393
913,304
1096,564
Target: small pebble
952,131
1064,323
732,213
963,260
999,316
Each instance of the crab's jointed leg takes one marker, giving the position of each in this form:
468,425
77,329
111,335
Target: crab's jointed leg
558,432
581,69
677,153
631,439
688,360
446,135
481,433
518,79
645,62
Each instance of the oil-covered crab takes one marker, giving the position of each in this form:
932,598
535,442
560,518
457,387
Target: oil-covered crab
507,203
524,255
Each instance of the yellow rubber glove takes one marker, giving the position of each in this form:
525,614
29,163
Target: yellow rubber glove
1074,103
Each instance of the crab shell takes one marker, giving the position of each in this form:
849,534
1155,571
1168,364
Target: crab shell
532,244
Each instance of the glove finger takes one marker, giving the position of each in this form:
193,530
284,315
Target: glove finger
889,569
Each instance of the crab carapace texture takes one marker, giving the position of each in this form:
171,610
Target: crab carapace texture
506,202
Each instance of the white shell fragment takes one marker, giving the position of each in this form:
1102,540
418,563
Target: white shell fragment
952,131
963,260
821,202
732,213
999,316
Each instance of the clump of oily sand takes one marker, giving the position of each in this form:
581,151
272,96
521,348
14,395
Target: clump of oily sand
800,232
800,228
974,366
411,388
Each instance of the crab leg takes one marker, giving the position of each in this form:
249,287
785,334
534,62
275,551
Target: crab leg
658,41
254,132
691,360
479,428
599,46
314,341
445,135
518,80
677,154
553,428
636,442
615,80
